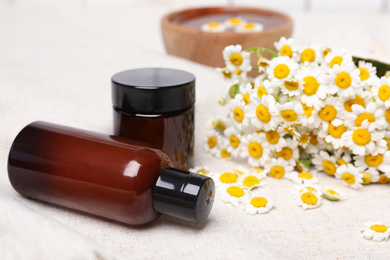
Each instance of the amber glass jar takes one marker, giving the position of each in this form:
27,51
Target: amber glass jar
108,176
156,105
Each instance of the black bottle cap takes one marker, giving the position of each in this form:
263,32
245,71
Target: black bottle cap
184,195
153,90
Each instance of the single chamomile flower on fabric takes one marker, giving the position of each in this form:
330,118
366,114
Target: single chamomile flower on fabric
311,53
213,27
380,161
332,193
367,73
236,58
371,112
306,186
278,168
202,170
305,177
337,56
289,152
258,205
290,112
351,175
381,91
364,139
255,149
376,231
250,27
233,194
308,199
239,114
212,140
234,22
275,138
286,47
324,162
313,88
344,80
234,136
250,181
226,178
280,69
263,112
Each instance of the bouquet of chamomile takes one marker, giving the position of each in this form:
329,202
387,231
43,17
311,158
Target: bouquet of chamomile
311,109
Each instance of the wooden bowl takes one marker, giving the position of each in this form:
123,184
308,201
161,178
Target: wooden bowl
182,38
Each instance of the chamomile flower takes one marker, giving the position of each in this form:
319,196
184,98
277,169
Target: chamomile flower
218,123
328,112
361,98
332,193
381,90
239,115
337,56
305,177
343,157
289,152
324,162
263,64
313,88
250,181
234,22
333,135
367,73
212,140
351,175
255,148
233,194
311,53
226,178
275,138
250,27
364,139
225,72
280,69
370,175
380,161
235,58
223,152
213,27
286,47
258,205
244,93
262,87
376,231
309,199
344,80
263,112
306,186
290,112
371,112
234,137
309,116
278,168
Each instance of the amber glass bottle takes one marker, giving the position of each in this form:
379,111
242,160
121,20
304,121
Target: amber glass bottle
108,176
156,105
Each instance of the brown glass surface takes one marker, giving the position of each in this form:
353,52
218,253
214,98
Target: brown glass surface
172,133
107,176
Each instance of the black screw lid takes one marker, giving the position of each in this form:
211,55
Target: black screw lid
153,90
184,195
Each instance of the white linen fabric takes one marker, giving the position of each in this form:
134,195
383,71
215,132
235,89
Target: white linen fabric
56,62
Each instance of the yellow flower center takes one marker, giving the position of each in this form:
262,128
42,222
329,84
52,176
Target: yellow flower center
255,150
227,74
234,141
236,59
326,52
291,85
238,71
365,116
343,80
304,139
308,55
245,97
251,181
373,160
336,60
286,153
336,131
277,172
261,92
212,142
384,92
340,162
366,178
235,191
379,228
225,154
238,114
332,192
358,100
327,113
235,21
307,110
387,115
305,175
259,202
258,170
383,179
289,115
249,26
263,114
329,167
348,178
311,85
262,63
272,137
286,51
361,136
313,138
364,74
309,198
213,24
281,71
228,177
